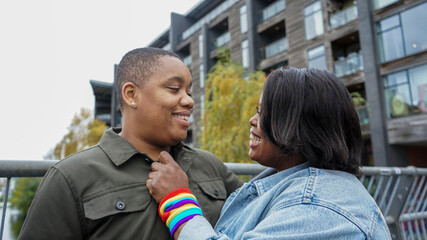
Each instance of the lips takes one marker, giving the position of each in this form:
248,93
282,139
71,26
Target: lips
183,117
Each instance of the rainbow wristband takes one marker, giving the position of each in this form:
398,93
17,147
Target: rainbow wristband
177,207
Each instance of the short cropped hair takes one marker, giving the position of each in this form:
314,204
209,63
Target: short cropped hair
137,66
310,112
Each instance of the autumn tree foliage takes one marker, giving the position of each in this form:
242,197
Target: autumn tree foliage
231,97
83,132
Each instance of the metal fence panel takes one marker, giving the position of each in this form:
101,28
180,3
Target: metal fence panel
401,193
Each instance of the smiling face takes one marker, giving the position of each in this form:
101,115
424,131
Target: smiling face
164,104
265,152
261,150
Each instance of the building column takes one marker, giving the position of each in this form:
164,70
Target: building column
384,153
253,34
179,24
206,60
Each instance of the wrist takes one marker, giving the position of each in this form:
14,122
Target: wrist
178,207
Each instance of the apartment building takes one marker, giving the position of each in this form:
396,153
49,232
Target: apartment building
378,48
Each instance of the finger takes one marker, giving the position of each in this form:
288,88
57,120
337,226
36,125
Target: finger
156,166
166,158
152,175
148,184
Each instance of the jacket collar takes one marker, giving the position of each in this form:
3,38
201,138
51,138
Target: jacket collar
119,150
270,177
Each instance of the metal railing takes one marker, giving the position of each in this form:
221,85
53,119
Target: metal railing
343,17
401,193
351,64
271,10
363,114
275,47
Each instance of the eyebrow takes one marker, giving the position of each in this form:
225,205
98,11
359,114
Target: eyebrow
179,80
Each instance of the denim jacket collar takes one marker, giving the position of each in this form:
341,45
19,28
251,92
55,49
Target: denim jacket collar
270,177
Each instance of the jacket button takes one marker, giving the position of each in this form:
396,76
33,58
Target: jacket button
216,193
120,205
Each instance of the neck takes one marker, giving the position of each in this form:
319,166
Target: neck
153,151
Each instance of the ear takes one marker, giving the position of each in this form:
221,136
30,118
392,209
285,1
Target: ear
129,93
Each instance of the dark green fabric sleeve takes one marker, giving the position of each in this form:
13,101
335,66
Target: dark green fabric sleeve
54,212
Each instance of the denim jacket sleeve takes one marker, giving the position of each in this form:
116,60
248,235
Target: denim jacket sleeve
311,222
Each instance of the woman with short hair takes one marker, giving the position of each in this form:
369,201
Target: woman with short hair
307,132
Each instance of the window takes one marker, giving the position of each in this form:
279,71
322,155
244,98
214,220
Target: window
316,57
245,53
202,76
272,10
202,104
201,45
313,19
276,47
383,3
406,92
243,19
401,34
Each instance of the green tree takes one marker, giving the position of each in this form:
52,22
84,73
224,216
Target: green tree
231,101
83,132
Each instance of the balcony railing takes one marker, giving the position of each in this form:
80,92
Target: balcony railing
343,17
221,40
271,10
399,192
363,113
351,64
276,47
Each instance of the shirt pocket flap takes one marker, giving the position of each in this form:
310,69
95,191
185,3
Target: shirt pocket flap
214,188
117,201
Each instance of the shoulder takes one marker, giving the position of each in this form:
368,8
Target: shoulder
206,157
336,193
78,164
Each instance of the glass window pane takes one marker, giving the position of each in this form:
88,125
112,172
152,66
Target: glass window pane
395,79
243,19
382,3
200,45
398,102
202,76
418,79
388,23
414,32
319,63
245,53
391,45
316,52
314,25
312,8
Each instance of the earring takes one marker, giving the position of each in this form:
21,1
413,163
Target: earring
133,104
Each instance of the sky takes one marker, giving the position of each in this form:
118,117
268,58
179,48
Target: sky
50,49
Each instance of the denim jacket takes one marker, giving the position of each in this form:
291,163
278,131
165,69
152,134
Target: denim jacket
298,203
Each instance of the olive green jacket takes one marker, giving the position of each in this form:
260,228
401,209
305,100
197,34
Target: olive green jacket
100,193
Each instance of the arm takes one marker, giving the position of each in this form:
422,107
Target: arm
296,222
54,212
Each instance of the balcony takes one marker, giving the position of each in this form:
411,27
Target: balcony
271,10
221,40
343,17
276,47
363,113
351,64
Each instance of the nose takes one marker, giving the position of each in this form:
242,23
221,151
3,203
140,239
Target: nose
254,120
187,101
